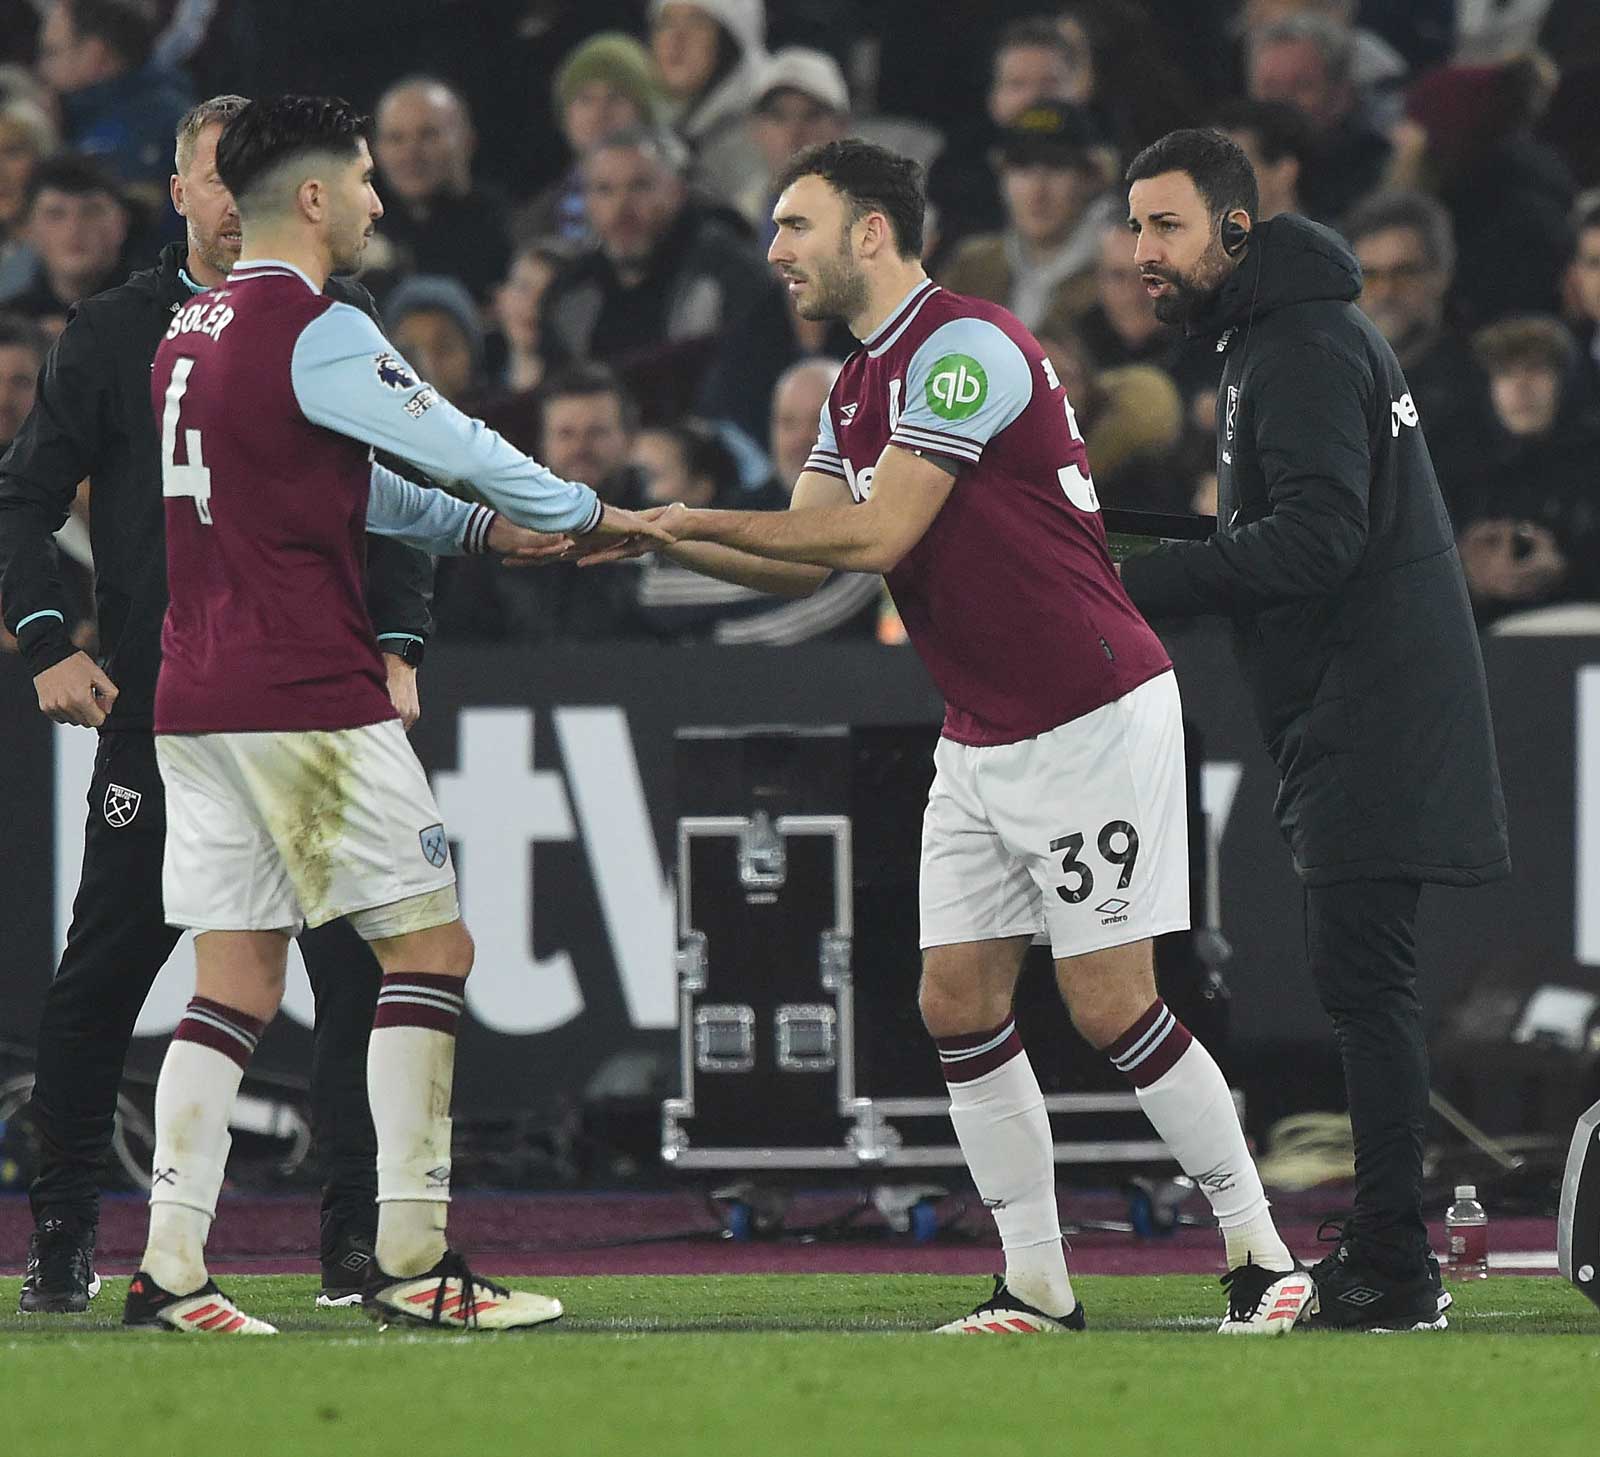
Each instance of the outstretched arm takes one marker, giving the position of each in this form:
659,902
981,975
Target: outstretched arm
908,491
784,579
348,377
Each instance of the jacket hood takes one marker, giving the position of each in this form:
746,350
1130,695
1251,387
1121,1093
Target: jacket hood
1290,260
744,20
730,97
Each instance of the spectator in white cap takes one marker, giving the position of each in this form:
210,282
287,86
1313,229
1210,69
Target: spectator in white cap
803,101
711,56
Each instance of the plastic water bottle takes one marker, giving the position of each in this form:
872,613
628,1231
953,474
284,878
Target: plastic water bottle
1466,1227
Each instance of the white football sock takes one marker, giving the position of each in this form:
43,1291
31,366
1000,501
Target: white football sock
194,1097
1004,1134
410,1072
1191,1108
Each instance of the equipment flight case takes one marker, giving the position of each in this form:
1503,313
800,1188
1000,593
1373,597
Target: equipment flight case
801,1046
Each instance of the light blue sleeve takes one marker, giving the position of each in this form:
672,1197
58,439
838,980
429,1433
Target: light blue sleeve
348,377
965,384
432,521
824,455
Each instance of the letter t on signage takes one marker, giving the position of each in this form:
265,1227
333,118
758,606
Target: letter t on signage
496,807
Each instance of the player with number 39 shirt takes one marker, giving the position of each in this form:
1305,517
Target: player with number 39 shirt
947,458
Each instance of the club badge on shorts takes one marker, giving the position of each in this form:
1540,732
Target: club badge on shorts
121,805
435,847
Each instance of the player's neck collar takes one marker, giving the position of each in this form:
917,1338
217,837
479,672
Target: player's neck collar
244,271
899,316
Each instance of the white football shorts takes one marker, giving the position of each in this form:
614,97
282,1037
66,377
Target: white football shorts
1081,832
273,831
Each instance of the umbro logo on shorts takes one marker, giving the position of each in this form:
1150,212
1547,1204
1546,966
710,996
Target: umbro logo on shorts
121,805
435,847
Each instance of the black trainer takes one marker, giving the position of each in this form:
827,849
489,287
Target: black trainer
345,1271
1003,1314
1354,1295
60,1278
1444,1297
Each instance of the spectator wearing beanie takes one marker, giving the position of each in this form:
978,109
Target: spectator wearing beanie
606,85
434,324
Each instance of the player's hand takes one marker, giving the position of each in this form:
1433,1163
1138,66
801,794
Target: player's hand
75,691
522,546
615,524
619,536
403,689
672,518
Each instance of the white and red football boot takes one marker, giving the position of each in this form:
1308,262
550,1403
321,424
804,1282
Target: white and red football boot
1003,1314
451,1297
206,1312
1265,1302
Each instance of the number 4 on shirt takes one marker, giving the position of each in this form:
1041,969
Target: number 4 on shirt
193,479
1074,478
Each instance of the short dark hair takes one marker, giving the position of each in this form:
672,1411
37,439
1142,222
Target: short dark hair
583,379
1220,171
705,453
871,179
75,175
1280,129
127,28
266,134
17,332
1421,214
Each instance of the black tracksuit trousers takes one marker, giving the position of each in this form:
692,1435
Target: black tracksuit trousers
117,944
1361,943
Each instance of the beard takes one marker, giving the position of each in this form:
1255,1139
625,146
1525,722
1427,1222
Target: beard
1193,291
838,289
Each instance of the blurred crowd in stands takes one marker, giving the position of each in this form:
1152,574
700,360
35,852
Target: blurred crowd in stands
578,201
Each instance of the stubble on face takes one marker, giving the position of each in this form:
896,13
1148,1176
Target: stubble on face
839,288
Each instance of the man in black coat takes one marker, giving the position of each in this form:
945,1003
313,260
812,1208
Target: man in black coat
1335,560
93,418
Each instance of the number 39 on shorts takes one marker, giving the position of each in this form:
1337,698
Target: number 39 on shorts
1118,847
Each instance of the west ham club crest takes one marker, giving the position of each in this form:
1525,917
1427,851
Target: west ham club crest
121,805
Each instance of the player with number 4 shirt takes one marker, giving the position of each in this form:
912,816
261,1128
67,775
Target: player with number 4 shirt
947,458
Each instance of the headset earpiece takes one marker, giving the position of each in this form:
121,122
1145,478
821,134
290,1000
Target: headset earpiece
1234,235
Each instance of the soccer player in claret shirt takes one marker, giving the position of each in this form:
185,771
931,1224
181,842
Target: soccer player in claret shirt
292,793
948,459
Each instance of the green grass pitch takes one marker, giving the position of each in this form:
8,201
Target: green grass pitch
833,1365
